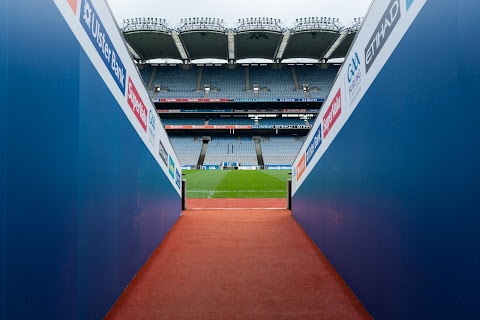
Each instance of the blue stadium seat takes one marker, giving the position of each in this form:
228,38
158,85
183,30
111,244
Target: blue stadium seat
231,149
281,150
187,149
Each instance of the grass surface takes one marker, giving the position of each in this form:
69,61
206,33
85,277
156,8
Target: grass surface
236,183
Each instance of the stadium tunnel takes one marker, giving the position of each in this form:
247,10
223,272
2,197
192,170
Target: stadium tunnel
386,184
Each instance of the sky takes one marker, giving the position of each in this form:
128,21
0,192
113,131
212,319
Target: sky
230,11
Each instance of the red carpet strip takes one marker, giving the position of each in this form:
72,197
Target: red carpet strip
256,203
237,264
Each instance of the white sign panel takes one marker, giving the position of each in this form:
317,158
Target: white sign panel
382,30
92,23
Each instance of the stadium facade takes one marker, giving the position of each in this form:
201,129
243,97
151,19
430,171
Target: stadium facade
254,115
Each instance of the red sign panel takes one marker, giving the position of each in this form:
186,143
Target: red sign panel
301,166
184,100
136,104
210,127
332,114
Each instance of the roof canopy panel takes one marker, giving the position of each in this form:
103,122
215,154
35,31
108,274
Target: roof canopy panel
343,48
152,44
310,44
257,44
205,44
203,38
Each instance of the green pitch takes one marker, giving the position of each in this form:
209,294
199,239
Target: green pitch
236,183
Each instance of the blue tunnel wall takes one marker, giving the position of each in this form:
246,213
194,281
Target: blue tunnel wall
83,202
393,203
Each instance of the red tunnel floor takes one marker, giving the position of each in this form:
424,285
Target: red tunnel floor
237,264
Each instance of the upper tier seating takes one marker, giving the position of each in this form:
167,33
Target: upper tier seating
183,121
187,149
317,79
226,80
281,150
177,82
230,149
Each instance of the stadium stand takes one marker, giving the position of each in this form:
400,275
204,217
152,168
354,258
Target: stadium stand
319,80
180,82
187,149
176,80
146,73
281,150
231,149
223,79
279,81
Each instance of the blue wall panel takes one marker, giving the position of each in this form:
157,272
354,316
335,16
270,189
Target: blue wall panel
393,203
3,153
83,202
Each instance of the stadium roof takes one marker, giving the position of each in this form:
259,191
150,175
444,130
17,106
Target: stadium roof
252,38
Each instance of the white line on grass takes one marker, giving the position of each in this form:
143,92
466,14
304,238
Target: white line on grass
234,191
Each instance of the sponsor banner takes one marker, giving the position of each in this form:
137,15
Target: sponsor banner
177,178
281,126
210,127
162,152
211,167
152,123
294,110
170,111
185,100
314,145
384,29
201,100
239,111
101,41
301,166
93,25
227,127
188,167
279,167
171,166
263,127
230,164
248,168
354,78
332,114
279,100
136,104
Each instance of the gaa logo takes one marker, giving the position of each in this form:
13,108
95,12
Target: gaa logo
151,119
353,67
